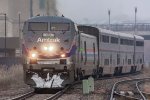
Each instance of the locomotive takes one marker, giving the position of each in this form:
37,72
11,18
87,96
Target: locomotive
56,52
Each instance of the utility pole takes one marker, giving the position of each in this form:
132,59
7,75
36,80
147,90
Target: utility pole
31,8
5,33
109,19
47,8
135,30
19,31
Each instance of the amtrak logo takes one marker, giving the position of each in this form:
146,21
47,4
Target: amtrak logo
48,40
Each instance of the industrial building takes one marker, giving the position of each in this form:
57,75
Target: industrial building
13,13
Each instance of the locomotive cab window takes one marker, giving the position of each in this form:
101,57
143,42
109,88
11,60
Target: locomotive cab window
60,27
38,26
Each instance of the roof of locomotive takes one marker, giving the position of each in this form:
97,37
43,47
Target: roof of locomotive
49,19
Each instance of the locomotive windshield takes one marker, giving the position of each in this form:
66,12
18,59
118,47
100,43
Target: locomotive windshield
60,26
38,26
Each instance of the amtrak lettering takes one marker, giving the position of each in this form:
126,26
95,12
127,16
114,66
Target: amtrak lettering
48,40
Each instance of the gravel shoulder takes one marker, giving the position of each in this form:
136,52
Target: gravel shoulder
102,89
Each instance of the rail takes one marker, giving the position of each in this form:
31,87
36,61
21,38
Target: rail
60,93
144,94
24,96
137,86
113,92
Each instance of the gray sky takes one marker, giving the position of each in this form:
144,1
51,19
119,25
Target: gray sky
96,11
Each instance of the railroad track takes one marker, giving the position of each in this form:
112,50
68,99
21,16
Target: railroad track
32,94
144,88
24,96
52,97
61,92
127,90
58,94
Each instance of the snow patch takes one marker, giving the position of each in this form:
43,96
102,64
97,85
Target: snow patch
38,80
49,82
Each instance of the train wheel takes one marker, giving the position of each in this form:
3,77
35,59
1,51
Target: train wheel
95,73
100,72
120,70
135,68
80,74
132,69
77,74
116,71
142,67
71,76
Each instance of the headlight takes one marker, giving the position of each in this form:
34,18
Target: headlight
33,55
63,55
45,48
50,48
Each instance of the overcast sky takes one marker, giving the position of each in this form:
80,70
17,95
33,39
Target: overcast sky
96,11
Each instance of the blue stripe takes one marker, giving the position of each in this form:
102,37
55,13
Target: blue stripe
72,51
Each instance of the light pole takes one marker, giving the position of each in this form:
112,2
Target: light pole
19,25
5,33
19,31
47,9
135,30
5,18
31,8
109,19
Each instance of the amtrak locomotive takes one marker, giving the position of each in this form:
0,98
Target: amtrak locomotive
56,52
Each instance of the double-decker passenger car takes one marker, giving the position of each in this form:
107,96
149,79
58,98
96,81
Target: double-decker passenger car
118,53
56,52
